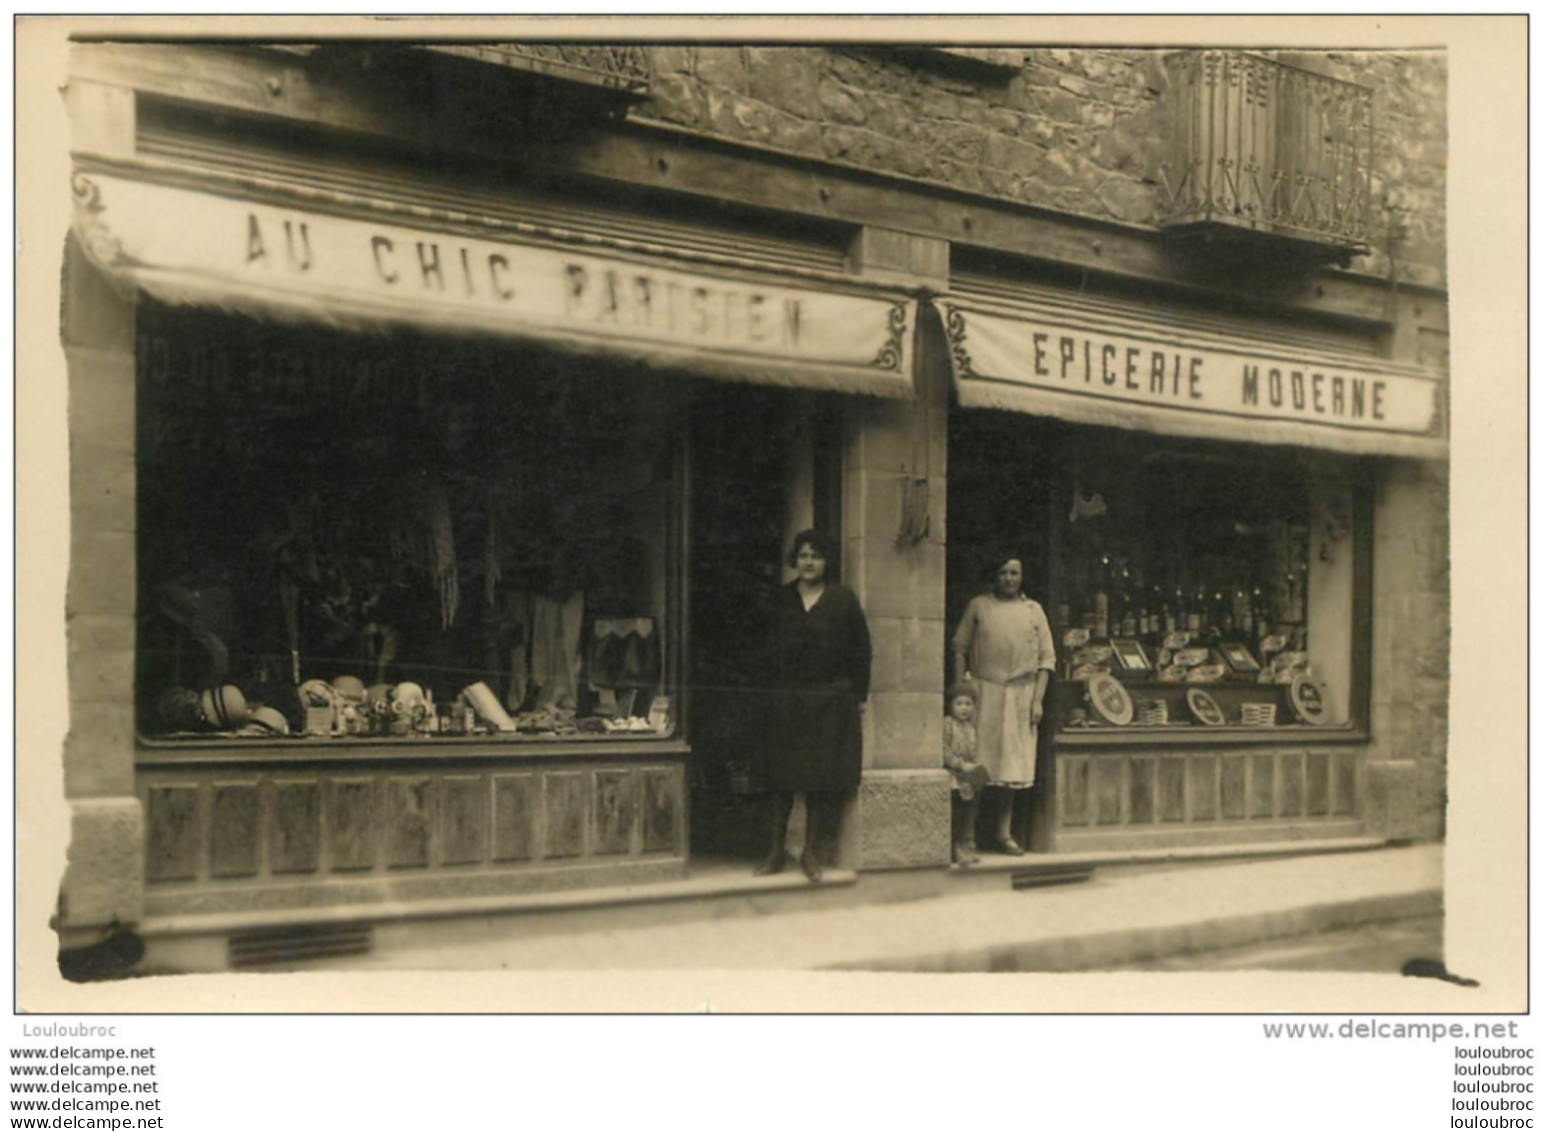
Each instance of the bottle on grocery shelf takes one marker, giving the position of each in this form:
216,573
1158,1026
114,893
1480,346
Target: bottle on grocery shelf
1101,601
1242,614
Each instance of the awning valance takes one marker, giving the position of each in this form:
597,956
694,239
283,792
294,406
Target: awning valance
1136,374
190,246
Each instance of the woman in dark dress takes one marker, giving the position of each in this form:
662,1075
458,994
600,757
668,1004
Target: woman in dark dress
820,661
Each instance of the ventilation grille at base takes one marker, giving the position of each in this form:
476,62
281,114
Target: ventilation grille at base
279,945
1050,875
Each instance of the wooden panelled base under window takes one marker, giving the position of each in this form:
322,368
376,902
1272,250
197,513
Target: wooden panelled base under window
229,837
1161,797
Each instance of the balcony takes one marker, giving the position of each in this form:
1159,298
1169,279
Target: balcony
1261,150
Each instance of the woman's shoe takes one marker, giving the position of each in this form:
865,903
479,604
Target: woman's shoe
1012,847
965,854
772,864
811,866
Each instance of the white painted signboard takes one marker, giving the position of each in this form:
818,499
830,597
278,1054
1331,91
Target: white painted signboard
1137,375
193,245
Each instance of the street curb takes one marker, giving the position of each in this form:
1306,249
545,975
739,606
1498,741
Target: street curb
1143,944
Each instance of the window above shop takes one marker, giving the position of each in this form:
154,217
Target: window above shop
1260,148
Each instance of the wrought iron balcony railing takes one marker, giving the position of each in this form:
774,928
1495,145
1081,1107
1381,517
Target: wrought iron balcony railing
1268,147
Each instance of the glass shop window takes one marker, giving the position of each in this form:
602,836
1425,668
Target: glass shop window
377,536
1203,586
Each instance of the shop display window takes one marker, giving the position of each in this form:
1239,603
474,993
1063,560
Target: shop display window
376,536
1206,586
1192,585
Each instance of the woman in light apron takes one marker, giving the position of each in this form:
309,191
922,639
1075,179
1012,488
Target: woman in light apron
1004,643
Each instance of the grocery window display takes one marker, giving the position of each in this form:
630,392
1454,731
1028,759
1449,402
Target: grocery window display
1193,586
390,536
1207,586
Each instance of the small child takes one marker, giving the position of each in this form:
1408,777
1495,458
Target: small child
969,775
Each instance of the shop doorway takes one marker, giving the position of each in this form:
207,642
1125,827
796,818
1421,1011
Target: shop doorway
1003,481
764,464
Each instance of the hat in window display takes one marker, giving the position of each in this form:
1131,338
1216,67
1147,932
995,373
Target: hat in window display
321,703
318,693
352,714
179,709
408,707
265,721
223,708
406,696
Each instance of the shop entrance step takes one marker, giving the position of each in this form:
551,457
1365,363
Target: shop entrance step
712,891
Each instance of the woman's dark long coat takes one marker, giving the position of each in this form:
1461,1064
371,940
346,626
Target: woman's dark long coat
820,664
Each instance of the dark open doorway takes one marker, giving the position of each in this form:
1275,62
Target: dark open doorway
764,462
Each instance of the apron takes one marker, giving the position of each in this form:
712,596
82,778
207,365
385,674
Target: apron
1009,740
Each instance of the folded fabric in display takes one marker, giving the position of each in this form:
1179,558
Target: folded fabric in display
486,704
624,653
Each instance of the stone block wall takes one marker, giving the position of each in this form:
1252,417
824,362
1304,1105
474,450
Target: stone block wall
103,882
1409,145
1411,636
1075,130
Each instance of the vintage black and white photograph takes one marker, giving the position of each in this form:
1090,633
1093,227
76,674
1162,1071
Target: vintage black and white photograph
543,500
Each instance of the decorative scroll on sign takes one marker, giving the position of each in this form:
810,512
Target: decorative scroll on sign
196,246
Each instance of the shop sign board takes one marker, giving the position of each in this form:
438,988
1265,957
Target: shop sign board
193,244
1182,382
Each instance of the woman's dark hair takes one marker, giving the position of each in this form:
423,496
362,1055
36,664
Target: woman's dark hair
994,563
821,543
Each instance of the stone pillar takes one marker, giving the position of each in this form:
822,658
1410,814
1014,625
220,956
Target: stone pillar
103,881
1411,638
896,466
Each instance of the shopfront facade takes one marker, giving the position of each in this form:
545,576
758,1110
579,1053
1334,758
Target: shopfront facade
1208,511
372,410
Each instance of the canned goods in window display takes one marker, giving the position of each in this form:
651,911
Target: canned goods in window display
1310,700
1204,708
1110,701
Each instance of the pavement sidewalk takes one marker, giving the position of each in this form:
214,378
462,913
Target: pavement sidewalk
1121,916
